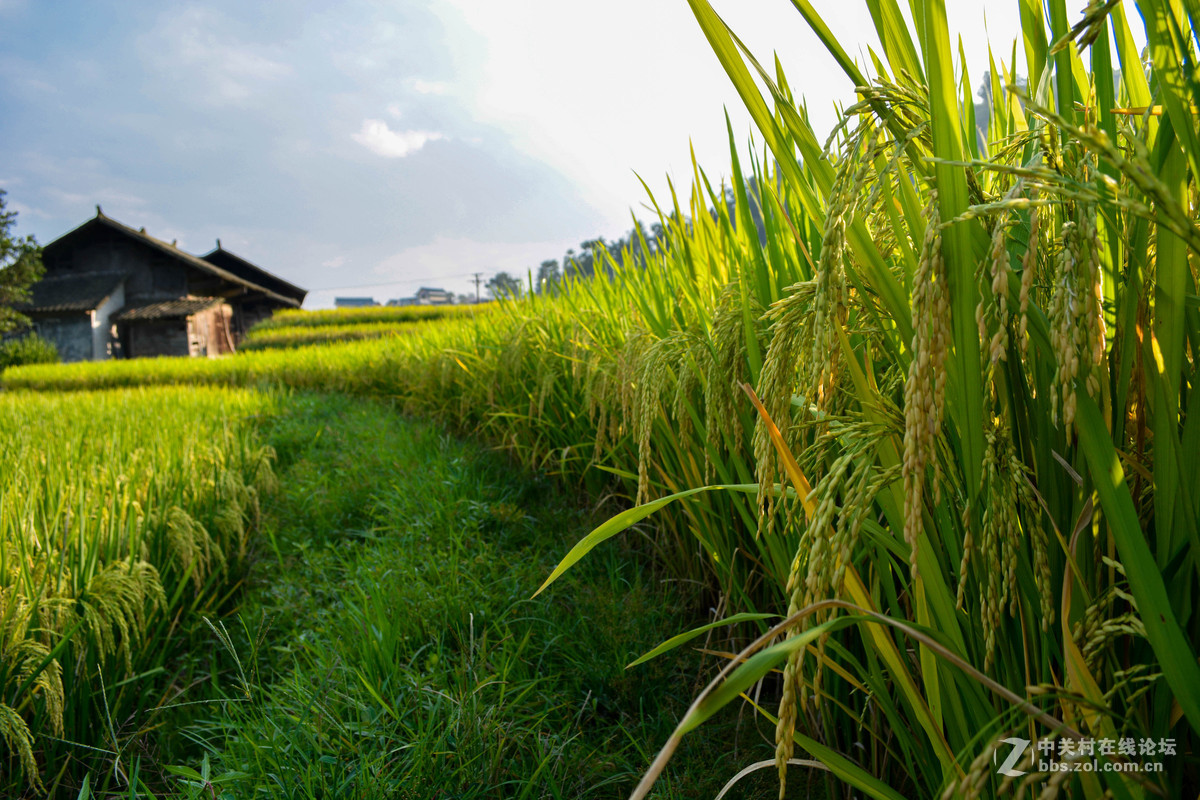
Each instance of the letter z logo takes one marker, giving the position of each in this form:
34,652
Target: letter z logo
1019,746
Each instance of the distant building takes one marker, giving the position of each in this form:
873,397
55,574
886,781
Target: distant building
354,302
433,297
425,297
112,291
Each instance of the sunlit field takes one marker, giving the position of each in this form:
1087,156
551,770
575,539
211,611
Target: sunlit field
382,315
268,338
295,328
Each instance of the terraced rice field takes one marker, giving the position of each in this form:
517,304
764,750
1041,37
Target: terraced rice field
299,328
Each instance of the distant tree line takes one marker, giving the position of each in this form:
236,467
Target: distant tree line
580,263
584,262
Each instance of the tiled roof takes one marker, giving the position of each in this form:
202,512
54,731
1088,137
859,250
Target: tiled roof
252,272
82,292
166,309
172,251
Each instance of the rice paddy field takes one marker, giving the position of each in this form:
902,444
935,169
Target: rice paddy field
381,315
293,328
912,423
301,335
125,518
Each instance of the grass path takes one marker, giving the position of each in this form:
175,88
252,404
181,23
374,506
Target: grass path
387,646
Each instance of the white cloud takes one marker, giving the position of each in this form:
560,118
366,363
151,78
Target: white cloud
26,213
334,263
456,257
117,203
381,140
27,79
549,79
422,86
199,47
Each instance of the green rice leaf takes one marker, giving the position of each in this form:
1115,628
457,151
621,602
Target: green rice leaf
1175,655
847,770
624,520
684,638
754,668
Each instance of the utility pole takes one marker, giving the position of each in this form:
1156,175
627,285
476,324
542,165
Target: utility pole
478,275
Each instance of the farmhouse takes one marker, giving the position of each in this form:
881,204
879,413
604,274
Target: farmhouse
111,291
425,297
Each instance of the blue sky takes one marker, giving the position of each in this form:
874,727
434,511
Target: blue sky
370,147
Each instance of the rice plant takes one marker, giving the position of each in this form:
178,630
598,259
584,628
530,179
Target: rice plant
975,413
120,515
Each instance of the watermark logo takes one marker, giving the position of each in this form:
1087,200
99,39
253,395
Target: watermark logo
1007,768
1084,755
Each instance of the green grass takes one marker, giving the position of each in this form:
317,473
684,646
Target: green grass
389,646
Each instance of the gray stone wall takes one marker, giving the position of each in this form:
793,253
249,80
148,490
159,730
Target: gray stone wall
70,333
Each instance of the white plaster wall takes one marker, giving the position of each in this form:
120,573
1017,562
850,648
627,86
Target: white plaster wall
102,324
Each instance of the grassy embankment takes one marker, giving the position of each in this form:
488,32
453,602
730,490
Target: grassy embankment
402,655
977,365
